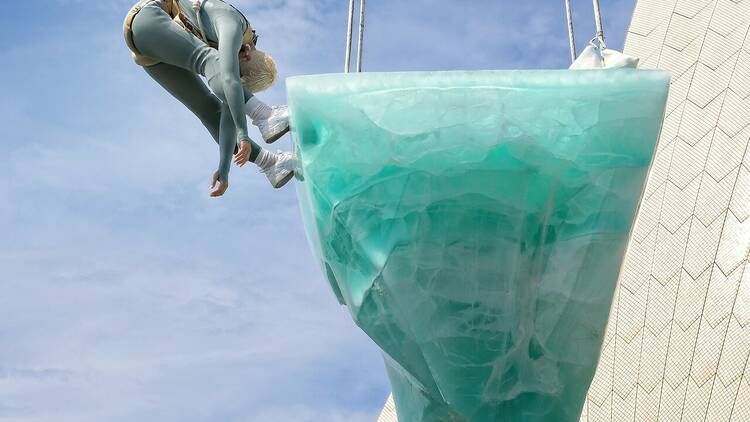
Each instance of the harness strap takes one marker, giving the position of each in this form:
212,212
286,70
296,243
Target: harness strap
184,22
197,6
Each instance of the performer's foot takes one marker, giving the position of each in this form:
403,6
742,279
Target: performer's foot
278,167
275,125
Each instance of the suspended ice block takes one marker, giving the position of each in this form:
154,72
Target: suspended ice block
474,223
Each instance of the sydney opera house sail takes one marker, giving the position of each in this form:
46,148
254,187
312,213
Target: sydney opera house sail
677,342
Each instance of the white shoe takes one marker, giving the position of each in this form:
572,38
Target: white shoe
275,126
280,171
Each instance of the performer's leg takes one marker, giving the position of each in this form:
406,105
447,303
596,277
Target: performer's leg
188,88
277,167
228,142
157,36
273,122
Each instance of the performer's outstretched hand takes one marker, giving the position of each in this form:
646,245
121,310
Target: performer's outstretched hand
243,154
223,186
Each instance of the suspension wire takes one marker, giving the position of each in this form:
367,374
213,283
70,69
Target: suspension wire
350,21
360,40
571,36
598,19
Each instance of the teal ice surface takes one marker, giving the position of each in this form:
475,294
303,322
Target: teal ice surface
474,223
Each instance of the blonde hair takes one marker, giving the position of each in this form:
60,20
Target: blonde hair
259,72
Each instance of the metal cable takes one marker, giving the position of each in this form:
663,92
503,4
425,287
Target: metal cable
360,40
571,36
598,19
348,54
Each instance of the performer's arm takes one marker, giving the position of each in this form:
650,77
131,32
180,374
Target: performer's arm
230,31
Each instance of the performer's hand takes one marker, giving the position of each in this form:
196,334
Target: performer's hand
243,154
223,186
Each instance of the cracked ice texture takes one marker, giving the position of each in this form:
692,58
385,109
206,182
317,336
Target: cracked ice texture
474,223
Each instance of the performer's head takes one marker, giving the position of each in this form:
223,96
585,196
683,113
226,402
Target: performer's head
257,69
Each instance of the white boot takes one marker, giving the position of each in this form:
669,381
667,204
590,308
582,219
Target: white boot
275,126
278,167
273,122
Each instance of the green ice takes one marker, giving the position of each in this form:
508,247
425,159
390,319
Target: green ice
474,223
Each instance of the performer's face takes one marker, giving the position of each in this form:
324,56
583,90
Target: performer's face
245,51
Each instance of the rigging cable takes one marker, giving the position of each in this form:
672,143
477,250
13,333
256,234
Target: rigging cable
571,36
599,28
347,56
360,40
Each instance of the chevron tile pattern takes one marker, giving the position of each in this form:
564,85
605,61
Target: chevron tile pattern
678,338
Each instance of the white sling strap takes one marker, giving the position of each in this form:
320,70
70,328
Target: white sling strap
197,5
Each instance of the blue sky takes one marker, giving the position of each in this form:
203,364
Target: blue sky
126,293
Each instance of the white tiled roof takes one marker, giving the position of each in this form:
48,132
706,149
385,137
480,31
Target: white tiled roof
388,414
678,337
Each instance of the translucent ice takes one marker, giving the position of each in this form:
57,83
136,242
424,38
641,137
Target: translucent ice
474,223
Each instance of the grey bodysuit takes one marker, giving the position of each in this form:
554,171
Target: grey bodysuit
183,57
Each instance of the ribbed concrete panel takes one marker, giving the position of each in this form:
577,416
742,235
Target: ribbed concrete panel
680,328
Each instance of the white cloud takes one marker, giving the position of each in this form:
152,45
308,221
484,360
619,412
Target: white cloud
148,330
307,414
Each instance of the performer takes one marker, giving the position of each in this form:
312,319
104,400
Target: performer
177,40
